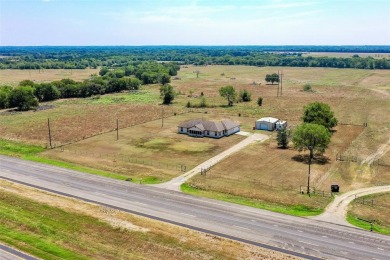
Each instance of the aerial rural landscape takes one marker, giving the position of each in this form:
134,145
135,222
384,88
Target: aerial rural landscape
200,148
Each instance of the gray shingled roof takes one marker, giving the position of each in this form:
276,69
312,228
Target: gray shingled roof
210,125
229,124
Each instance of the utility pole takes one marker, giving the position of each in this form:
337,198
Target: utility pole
162,116
277,94
117,129
308,176
48,126
281,83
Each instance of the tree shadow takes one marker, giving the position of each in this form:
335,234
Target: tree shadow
304,158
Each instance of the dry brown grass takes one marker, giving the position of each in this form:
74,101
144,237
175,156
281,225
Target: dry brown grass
266,173
146,150
13,77
134,237
376,209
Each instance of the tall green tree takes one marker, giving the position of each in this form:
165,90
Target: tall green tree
23,98
283,138
4,96
319,113
312,137
167,94
228,92
274,77
46,92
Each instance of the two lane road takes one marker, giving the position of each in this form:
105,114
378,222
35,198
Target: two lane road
303,237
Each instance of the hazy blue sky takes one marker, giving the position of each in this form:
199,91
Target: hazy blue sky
181,22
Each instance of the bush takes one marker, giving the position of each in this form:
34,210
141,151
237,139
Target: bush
307,88
203,102
23,98
188,105
245,96
260,101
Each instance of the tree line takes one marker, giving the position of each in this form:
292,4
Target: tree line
116,57
28,94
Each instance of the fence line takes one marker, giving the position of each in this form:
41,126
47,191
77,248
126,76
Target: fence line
56,145
128,159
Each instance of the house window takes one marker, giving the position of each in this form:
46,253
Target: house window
181,129
208,132
215,133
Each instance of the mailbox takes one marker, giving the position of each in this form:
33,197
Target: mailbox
334,188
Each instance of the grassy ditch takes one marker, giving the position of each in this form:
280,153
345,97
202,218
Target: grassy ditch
31,153
62,228
371,208
295,210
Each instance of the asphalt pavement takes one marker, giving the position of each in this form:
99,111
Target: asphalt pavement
308,238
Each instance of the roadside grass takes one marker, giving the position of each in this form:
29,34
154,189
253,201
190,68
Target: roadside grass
32,153
55,227
376,210
295,210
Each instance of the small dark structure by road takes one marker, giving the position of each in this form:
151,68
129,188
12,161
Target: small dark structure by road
335,188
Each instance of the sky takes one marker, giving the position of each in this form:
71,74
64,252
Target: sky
182,22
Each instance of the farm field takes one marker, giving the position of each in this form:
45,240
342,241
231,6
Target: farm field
374,208
148,151
54,227
13,77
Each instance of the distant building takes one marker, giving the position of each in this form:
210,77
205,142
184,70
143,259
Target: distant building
270,124
213,129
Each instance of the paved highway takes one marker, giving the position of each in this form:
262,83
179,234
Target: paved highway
308,238
8,253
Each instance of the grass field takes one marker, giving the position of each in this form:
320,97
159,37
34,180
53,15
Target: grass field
269,175
54,227
13,77
376,209
146,151
356,96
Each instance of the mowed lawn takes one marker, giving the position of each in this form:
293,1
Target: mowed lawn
148,151
266,174
54,227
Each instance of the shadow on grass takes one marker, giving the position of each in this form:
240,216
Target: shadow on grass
319,159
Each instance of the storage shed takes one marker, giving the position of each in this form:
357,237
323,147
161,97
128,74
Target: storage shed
281,125
266,123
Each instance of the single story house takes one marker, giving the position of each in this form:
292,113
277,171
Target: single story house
270,124
214,129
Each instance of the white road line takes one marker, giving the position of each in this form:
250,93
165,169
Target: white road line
325,236
253,220
241,227
307,243
185,214
380,249
139,203
351,242
300,231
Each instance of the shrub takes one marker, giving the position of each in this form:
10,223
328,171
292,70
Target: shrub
245,95
260,101
307,88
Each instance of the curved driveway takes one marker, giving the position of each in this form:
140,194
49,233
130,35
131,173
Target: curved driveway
336,211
